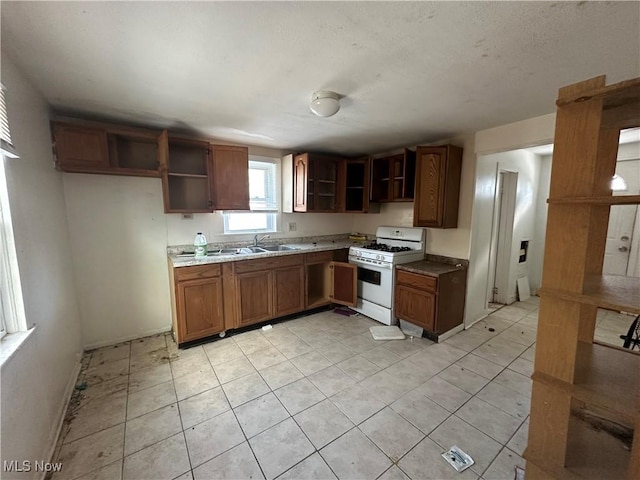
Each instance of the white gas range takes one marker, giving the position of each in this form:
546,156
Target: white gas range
376,272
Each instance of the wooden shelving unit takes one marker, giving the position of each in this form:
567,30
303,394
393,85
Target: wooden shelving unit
585,404
393,177
186,175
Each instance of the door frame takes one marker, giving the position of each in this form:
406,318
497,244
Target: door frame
500,257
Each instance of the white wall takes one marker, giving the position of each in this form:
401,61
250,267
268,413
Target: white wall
398,214
537,257
182,232
535,131
527,165
36,381
118,233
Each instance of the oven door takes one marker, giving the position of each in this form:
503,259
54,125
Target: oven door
375,282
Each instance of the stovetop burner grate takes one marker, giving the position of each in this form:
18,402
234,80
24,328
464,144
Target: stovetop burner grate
383,247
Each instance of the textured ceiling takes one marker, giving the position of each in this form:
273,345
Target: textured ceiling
408,72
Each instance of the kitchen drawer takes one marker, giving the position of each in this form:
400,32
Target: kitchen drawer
268,263
416,280
198,271
318,257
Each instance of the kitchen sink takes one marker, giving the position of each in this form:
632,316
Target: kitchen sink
277,248
243,250
223,251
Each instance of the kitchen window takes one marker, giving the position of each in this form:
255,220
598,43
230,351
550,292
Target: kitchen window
263,200
12,317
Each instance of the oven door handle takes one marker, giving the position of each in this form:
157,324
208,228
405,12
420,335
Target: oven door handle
371,266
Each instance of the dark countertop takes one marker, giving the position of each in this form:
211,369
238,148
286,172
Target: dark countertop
432,269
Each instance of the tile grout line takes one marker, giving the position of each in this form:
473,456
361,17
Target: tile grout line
126,411
184,435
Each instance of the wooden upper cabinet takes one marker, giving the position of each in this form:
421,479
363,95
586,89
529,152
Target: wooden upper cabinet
393,177
93,147
357,185
317,186
230,177
437,186
80,149
185,166
300,179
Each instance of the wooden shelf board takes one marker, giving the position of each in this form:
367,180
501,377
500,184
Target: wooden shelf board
547,470
595,454
326,181
607,378
613,292
187,175
326,194
317,301
613,200
617,93
590,454
355,188
189,210
141,172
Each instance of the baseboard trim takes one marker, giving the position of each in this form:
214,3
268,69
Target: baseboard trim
68,391
107,343
472,323
450,333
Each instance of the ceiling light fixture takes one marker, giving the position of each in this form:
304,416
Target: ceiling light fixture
325,103
618,184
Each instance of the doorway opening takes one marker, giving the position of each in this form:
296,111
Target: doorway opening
501,237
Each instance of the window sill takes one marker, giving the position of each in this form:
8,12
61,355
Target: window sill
11,343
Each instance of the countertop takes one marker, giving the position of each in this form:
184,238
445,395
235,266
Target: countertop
180,261
430,268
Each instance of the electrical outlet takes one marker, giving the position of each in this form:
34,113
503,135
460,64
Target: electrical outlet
187,216
292,226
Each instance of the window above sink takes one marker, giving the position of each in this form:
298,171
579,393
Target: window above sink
263,201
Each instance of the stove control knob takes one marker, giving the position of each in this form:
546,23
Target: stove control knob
379,257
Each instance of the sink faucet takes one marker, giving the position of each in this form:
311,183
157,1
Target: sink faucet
256,240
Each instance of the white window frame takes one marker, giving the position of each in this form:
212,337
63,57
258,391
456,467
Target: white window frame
271,211
11,300
12,314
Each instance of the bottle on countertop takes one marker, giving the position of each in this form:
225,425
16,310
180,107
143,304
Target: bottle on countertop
200,245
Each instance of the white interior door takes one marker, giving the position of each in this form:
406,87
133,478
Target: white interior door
621,247
503,257
619,236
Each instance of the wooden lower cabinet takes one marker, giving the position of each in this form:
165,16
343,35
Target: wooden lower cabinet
267,294
197,302
201,304
433,303
209,299
268,288
329,280
253,297
415,306
288,290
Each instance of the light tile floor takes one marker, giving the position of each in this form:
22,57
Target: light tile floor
315,397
